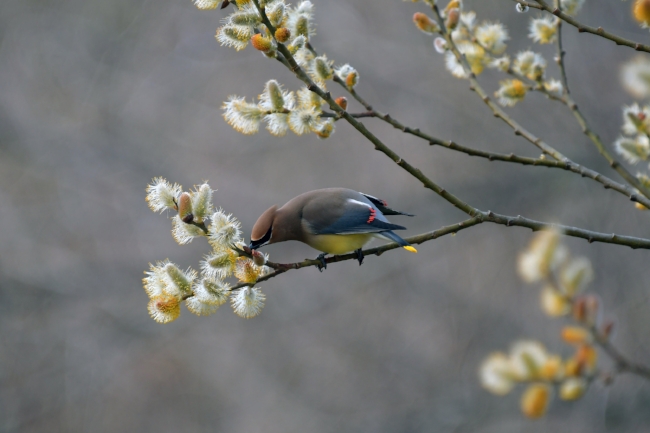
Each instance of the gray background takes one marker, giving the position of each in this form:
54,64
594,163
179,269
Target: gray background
96,98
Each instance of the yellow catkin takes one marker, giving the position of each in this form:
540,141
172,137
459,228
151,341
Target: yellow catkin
342,102
452,19
546,33
534,401
554,303
423,22
587,357
261,43
453,4
246,270
185,207
641,11
573,388
164,308
476,58
325,131
575,335
517,89
572,367
351,79
551,369
282,34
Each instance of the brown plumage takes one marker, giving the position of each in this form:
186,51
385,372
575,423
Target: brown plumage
332,220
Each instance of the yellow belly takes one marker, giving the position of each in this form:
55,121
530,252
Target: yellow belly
339,244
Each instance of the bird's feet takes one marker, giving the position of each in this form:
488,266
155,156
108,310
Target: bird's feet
359,255
323,263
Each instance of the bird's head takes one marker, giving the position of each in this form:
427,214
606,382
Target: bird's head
263,229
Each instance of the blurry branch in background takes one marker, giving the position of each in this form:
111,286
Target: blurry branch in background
564,279
283,32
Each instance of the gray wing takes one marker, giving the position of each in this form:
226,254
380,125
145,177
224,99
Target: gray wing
345,214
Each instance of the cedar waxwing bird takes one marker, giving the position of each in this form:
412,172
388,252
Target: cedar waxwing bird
331,220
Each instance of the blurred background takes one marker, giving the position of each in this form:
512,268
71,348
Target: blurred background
96,98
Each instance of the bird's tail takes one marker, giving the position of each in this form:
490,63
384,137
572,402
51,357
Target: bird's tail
401,242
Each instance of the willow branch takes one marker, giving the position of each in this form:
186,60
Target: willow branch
355,115
566,100
542,162
520,130
512,158
601,338
280,268
291,63
489,216
566,164
496,110
583,28
582,121
622,363
590,236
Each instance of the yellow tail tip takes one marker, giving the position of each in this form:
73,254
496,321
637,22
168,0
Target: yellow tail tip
410,248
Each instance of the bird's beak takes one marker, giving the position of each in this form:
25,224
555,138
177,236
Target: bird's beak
253,245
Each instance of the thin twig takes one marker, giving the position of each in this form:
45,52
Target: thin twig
355,115
623,365
582,28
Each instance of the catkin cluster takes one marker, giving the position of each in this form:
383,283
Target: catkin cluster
484,45
633,144
266,24
202,292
